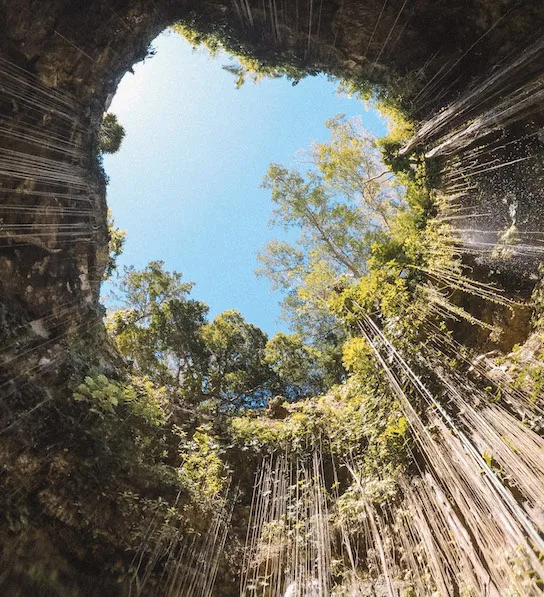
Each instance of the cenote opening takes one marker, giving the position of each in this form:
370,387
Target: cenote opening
195,153
385,437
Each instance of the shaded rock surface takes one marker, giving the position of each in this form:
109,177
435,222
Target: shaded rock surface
470,73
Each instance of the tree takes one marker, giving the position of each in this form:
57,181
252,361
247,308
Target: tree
238,372
341,206
159,328
166,336
352,166
296,364
111,134
116,244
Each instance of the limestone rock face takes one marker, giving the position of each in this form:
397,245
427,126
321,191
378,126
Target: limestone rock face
61,63
470,73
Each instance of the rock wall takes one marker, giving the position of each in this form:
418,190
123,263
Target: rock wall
62,60
469,72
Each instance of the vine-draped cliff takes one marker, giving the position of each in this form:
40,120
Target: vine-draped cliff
62,61
468,74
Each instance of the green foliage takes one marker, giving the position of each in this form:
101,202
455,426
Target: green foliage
152,286
358,357
387,95
357,417
115,246
159,329
123,434
527,371
138,397
237,370
250,61
258,57
203,470
352,505
111,134
352,168
398,289
537,300
296,363
340,206
223,363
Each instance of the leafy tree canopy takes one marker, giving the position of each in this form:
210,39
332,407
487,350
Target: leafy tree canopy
218,38
111,134
159,328
341,205
166,336
236,359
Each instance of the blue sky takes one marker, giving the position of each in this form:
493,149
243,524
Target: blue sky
185,183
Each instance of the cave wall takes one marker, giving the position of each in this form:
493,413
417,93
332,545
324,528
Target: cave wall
73,54
469,72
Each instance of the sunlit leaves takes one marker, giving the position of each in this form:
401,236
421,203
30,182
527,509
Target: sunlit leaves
138,396
115,245
296,363
340,205
111,134
202,469
159,329
236,368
